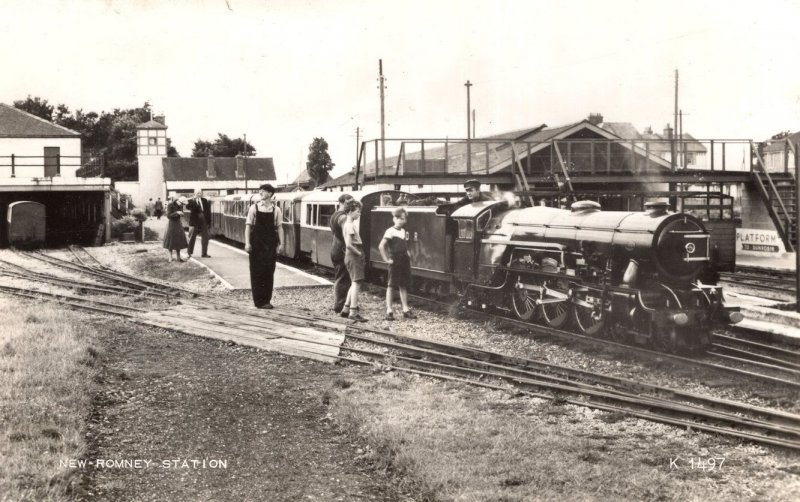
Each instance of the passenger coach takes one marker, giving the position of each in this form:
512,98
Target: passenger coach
315,219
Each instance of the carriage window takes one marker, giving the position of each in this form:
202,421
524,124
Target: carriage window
288,210
325,213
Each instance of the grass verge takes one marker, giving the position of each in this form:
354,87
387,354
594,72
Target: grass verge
453,442
48,367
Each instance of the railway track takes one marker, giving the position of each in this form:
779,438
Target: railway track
778,285
444,361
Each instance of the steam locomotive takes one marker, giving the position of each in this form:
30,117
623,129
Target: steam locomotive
643,277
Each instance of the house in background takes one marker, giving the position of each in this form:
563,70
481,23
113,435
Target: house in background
778,154
216,175
40,149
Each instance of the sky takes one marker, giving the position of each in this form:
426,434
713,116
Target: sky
285,72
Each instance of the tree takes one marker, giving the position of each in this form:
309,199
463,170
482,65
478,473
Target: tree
319,162
36,106
223,146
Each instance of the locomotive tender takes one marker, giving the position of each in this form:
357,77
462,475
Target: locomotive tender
631,276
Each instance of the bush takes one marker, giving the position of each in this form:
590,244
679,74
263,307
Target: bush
138,214
123,225
150,234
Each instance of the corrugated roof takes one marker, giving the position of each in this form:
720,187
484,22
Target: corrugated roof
152,124
196,169
15,123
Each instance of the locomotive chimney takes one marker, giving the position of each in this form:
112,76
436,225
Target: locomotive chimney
656,208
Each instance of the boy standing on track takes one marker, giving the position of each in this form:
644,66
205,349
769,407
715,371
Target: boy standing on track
341,280
353,260
394,250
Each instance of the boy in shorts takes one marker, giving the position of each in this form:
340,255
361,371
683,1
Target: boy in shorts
394,250
353,259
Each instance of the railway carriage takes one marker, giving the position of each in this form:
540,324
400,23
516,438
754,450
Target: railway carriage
290,204
317,208
26,224
228,214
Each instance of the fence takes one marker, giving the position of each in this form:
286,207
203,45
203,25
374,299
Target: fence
49,166
561,156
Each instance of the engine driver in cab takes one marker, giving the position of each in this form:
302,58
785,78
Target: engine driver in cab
472,188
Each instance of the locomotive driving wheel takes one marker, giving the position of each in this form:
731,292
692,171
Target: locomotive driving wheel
523,301
589,319
556,314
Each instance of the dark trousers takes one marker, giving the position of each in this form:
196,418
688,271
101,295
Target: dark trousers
262,274
341,283
202,229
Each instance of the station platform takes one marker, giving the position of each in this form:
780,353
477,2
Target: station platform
782,262
231,265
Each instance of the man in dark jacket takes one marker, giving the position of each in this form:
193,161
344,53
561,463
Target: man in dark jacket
199,221
472,189
341,279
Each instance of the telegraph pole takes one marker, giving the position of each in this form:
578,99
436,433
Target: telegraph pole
675,121
358,142
245,163
473,122
469,108
383,122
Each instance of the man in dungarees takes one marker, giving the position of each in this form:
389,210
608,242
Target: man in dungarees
263,238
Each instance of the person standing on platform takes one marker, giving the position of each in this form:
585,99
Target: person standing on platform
353,259
263,240
341,280
394,250
158,208
174,238
199,221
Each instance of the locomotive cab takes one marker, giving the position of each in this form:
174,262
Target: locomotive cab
472,221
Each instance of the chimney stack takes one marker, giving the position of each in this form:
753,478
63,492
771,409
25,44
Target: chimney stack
596,118
160,119
240,174
211,166
667,132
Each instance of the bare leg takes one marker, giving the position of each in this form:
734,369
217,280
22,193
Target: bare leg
404,298
354,289
169,254
389,300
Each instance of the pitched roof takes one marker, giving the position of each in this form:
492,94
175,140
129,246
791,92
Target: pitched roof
779,145
16,123
151,124
347,179
196,169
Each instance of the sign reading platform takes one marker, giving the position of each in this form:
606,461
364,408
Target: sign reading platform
758,242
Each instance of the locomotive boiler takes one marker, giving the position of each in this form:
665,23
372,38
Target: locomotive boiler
633,276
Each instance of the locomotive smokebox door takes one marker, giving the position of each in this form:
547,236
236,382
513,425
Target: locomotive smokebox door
467,243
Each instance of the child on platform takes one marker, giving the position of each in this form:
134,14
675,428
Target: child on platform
394,250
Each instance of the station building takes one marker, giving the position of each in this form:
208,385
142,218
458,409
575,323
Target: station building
43,162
